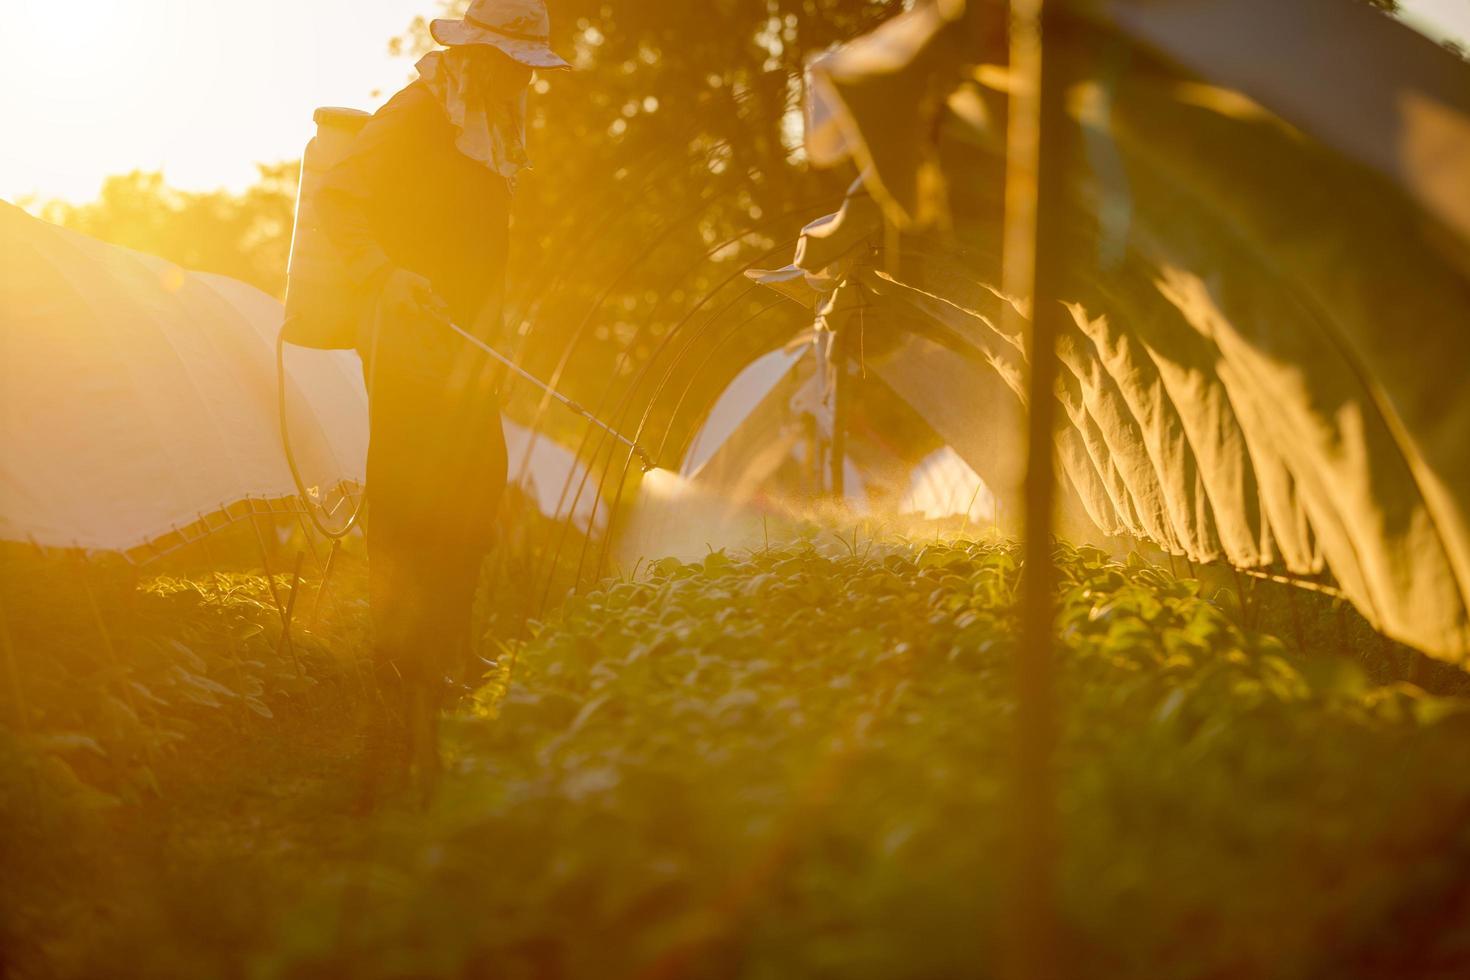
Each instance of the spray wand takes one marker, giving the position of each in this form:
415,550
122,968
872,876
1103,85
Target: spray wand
643,457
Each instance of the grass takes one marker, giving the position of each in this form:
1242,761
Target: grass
784,763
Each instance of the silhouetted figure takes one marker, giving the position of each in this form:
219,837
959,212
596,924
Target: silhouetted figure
419,210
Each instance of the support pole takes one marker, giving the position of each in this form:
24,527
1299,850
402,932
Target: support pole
1033,267
321,589
841,394
310,544
284,642
265,564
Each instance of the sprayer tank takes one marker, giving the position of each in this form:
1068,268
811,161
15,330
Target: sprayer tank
319,311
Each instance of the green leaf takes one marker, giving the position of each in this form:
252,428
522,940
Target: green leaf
68,742
259,707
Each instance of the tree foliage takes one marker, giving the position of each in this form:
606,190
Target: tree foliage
246,236
667,162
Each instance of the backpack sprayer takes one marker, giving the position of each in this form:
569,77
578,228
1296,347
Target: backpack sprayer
317,314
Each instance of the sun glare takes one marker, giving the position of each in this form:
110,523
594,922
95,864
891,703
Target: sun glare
201,91
1061,568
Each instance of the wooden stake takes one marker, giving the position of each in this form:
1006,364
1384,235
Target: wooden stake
306,533
1034,260
321,590
265,564
285,640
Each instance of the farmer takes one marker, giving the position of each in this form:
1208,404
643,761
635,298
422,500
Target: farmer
419,212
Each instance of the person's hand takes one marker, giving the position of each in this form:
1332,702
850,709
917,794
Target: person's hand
408,294
394,329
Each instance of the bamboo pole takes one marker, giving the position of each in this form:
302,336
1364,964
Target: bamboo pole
1033,265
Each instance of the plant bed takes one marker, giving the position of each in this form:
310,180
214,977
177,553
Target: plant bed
794,763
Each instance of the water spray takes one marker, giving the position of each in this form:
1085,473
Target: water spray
643,458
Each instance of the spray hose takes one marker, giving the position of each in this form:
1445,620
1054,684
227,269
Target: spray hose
637,450
309,506
333,534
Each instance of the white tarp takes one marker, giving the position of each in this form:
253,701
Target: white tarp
138,399
735,404
943,485
552,475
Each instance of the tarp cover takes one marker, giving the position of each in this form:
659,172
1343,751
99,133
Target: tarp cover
1266,281
138,399
138,403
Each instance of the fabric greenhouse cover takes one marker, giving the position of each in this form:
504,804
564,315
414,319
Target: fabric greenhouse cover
138,400
1268,281
138,403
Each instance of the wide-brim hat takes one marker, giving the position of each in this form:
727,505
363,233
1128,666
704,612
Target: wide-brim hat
519,28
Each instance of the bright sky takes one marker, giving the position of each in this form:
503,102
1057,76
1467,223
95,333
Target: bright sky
198,88
202,89
1443,20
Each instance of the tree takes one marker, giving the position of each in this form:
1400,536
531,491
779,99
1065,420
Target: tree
678,136
246,236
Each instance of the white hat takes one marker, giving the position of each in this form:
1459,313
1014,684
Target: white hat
520,28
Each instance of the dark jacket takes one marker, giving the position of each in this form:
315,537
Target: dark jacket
405,196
